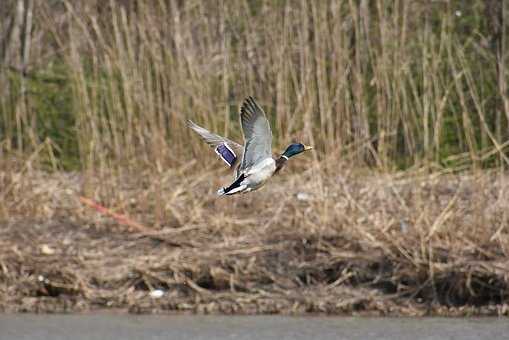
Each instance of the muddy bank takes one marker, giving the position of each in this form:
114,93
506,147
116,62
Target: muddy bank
386,245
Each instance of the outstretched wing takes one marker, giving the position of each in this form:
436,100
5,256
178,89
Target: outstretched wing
257,134
228,150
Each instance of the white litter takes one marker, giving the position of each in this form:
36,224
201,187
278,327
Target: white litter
156,293
302,196
404,226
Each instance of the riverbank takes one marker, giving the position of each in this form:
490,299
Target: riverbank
406,244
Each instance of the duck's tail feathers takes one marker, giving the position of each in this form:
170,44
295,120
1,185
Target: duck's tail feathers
235,187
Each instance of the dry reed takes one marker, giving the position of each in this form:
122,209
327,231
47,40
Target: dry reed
416,79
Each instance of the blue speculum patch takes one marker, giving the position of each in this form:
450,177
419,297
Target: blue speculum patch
226,154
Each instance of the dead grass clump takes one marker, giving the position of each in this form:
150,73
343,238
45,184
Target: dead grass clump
401,244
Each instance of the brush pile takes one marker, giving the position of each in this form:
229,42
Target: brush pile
401,244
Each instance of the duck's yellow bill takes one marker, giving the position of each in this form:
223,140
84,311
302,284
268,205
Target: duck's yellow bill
307,147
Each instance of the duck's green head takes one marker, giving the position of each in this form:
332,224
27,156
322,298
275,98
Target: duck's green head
294,149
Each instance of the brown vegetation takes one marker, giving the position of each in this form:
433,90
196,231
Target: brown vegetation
401,244
110,83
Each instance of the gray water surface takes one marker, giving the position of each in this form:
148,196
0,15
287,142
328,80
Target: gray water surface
127,327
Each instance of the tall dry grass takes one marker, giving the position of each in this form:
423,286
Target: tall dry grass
405,82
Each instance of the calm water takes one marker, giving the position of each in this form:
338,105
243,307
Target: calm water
126,327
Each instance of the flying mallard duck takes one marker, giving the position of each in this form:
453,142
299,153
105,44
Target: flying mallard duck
256,162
